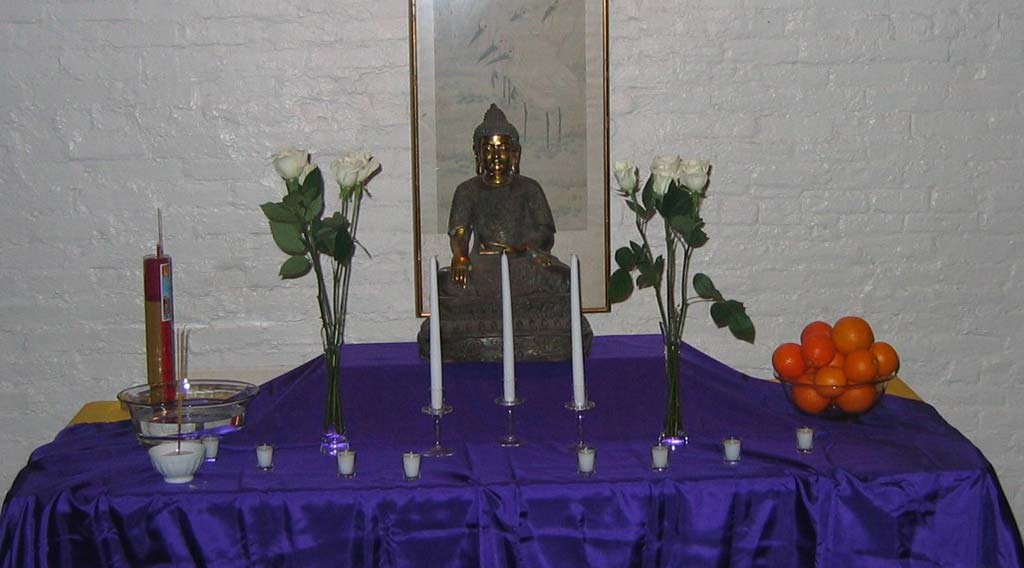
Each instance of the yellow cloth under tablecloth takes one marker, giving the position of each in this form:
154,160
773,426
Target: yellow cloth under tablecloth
112,410
101,411
899,388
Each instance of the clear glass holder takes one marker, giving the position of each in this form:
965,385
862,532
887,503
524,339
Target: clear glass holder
580,411
437,450
509,440
674,442
332,442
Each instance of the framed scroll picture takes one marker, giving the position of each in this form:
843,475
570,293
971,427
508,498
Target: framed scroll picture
544,63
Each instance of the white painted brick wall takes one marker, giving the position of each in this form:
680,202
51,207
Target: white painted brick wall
868,160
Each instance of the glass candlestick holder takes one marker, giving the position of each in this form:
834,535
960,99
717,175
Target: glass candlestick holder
509,440
579,410
437,450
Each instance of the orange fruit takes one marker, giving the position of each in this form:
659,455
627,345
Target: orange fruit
818,351
861,366
806,379
851,333
856,399
830,382
838,360
888,359
815,328
788,361
808,400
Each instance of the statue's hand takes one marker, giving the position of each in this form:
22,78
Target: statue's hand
541,258
460,270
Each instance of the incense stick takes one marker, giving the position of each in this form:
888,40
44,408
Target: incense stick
182,370
159,233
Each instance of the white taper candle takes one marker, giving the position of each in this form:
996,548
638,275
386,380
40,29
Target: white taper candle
508,351
579,391
436,380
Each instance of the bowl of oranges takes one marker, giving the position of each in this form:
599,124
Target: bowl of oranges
836,371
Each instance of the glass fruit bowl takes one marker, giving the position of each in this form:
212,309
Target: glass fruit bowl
834,401
208,408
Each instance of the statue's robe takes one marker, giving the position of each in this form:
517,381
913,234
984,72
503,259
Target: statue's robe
517,215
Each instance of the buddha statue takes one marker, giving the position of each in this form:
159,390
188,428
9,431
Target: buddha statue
501,211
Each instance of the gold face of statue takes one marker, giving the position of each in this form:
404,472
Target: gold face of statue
498,158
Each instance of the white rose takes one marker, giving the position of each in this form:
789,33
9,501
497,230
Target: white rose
694,174
290,163
371,167
626,174
353,169
664,169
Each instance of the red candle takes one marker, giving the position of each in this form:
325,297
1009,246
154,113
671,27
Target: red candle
159,296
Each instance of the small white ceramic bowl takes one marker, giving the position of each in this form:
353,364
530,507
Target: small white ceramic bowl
174,466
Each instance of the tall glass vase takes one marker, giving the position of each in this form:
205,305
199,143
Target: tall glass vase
334,438
673,433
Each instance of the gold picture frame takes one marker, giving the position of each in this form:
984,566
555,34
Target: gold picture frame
543,62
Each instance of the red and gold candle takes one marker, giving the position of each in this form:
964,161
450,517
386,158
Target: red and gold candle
159,296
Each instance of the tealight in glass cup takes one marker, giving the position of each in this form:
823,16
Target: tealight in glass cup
346,464
265,457
585,458
659,457
211,444
411,465
805,439
731,450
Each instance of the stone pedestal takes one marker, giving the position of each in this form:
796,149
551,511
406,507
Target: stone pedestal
471,329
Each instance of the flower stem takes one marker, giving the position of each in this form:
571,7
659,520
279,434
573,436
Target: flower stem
670,281
343,307
641,227
685,307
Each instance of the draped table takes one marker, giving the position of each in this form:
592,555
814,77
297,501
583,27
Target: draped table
899,486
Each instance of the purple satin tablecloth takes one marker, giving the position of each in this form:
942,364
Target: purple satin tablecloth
899,487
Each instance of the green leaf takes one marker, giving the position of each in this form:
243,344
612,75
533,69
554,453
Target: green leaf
336,220
643,281
676,202
721,312
636,208
647,197
684,223
696,237
325,237
691,228
295,267
650,272
315,210
288,237
625,259
313,184
312,193
344,246
733,314
638,250
705,288
620,287
294,202
644,264
280,213
741,326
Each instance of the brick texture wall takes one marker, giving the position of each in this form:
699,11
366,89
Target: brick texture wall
868,161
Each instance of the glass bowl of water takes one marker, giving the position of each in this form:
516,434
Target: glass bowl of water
187,410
